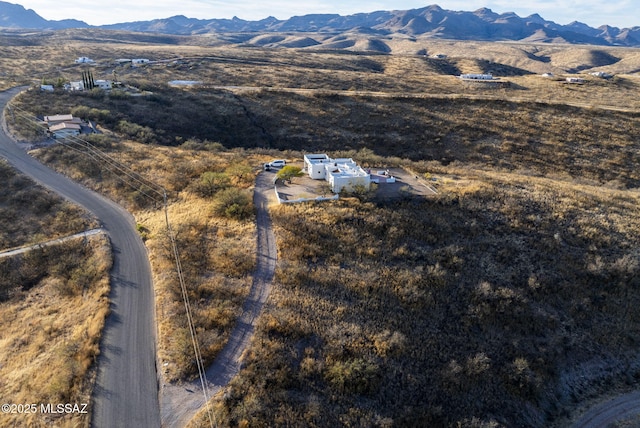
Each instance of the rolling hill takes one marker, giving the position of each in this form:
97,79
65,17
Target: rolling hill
433,21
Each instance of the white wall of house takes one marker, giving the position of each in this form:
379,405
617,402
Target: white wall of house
343,174
341,182
314,164
76,86
476,77
103,84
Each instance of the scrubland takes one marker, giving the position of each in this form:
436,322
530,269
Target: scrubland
506,300
503,301
30,214
48,351
211,213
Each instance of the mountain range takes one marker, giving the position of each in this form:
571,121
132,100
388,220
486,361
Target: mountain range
431,21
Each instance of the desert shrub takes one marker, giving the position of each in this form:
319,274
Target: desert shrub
144,197
91,113
233,203
102,141
477,277
241,174
211,183
142,134
355,376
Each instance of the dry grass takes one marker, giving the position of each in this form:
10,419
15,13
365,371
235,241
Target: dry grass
30,214
503,301
217,252
218,256
48,350
490,304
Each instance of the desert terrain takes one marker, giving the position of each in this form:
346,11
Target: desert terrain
506,299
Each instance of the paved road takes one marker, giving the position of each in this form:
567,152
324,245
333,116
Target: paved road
181,402
126,393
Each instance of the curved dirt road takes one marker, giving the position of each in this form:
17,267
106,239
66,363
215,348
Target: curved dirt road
604,414
181,402
126,392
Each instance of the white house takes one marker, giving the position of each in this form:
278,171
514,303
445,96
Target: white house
314,164
577,80
76,86
103,84
342,174
138,61
84,60
476,77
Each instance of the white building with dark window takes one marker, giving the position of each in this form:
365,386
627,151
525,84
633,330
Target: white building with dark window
477,77
104,84
343,174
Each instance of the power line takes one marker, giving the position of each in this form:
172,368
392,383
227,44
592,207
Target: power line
140,184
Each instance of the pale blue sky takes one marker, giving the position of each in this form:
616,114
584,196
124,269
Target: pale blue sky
619,13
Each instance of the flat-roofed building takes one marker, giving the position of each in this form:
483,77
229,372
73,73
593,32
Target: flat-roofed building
343,174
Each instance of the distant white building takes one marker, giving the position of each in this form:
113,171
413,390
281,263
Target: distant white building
577,80
103,84
342,174
138,61
75,86
84,60
46,88
476,77
79,85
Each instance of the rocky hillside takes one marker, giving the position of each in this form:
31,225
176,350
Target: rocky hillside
433,21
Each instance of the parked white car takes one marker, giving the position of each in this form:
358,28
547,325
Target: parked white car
278,163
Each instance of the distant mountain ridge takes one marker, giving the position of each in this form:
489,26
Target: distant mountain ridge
16,16
433,21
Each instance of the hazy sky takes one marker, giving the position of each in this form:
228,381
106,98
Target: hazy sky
618,13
